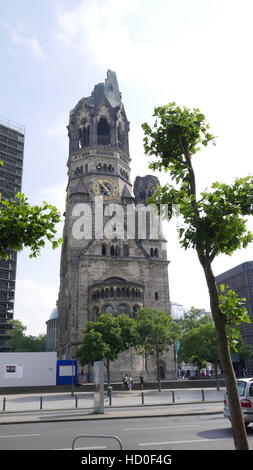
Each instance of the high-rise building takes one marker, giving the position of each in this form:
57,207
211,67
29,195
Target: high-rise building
110,265
240,279
11,154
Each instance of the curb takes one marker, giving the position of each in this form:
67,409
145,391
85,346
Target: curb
94,416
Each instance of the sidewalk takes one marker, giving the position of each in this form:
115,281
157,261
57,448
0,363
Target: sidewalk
125,405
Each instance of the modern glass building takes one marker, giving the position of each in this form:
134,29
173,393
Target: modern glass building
240,279
11,154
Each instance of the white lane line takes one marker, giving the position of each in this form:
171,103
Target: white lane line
19,435
163,427
84,448
181,442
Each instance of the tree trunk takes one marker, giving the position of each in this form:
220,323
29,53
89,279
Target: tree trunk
146,362
238,427
216,375
158,372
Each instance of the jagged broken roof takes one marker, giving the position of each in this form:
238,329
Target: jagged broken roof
109,89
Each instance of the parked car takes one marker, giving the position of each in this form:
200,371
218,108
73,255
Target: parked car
245,390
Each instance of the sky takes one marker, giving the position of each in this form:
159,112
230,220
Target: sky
195,52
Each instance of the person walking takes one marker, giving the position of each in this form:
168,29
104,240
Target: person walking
130,383
125,382
142,381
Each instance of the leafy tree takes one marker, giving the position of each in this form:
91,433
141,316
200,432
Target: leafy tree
192,319
213,221
129,334
19,342
23,225
199,345
235,312
105,338
198,338
156,333
39,343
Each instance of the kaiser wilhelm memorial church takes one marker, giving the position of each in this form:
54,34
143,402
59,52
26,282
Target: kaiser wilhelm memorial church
112,259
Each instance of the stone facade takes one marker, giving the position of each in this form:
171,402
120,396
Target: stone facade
107,266
52,331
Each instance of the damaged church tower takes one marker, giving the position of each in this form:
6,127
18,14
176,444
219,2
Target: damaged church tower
107,274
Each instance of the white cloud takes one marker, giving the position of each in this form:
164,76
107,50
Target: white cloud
101,31
29,44
56,194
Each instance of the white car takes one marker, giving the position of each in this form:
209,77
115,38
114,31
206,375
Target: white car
245,390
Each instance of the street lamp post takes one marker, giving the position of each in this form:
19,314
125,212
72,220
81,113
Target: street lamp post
72,385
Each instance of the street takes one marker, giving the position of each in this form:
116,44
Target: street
202,432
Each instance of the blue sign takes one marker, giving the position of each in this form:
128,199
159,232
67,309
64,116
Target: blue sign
66,372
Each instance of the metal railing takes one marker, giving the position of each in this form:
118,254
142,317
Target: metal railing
113,399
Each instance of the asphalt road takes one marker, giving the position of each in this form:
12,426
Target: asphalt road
203,432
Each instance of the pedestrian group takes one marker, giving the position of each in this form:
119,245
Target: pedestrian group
127,382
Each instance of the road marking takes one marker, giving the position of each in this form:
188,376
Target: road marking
163,427
181,442
84,448
19,435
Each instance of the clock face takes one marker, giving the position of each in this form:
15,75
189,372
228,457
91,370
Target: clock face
105,188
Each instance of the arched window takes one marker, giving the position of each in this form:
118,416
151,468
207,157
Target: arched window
84,137
112,251
103,132
78,170
109,309
111,292
104,249
156,252
123,292
122,309
151,251
156,296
